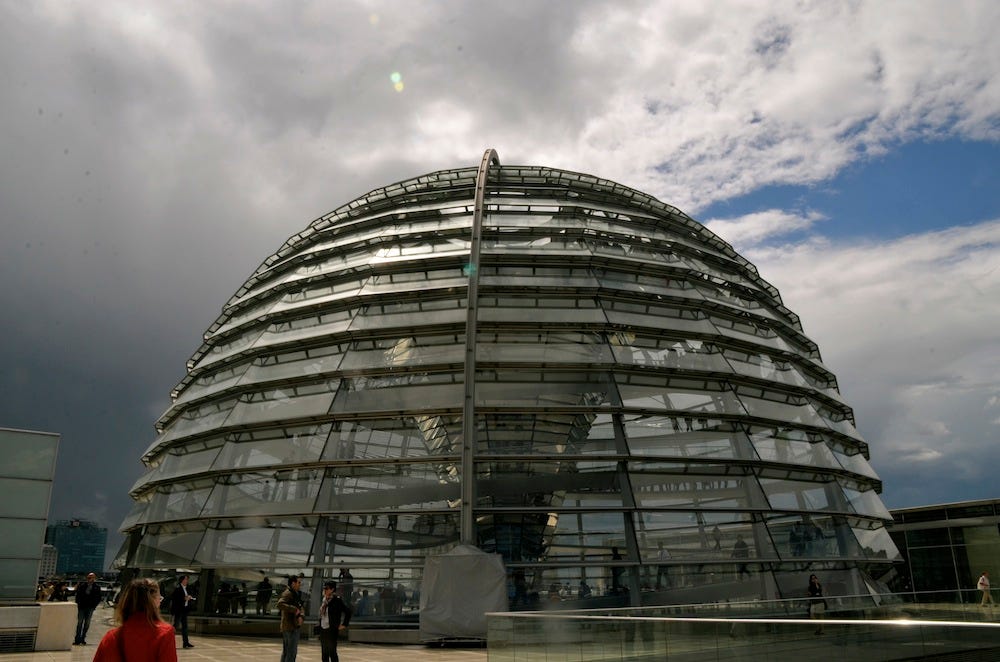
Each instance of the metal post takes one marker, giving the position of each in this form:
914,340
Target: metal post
468,532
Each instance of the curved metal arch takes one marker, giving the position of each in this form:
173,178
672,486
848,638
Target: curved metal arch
468,533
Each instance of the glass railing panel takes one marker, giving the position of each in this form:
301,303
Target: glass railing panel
598,638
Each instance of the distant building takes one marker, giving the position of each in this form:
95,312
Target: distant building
50,556
80,543
946,547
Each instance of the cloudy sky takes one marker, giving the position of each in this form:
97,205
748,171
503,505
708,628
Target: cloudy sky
153,154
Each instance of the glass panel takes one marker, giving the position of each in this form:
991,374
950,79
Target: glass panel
600,436
549,433
28,499
660,533
22,538
812,537
199,419
371,318
135,515
281,492
274,542
315,361
383,438
630,281
782,411
178,501
856,463
539,389
170,547
673,537
211,382
288,402
583,536
177,463
631,349
404,351
927,537
747,333
539,312
933,569
512,277
679,399
689,490
876,543
33,455
667,436
274,447
548,484
977,510
763,366
553,536
797,494
791,447
224,350
866,502
659,318
404,538
18,578
574,348
379,487
838,422
400,393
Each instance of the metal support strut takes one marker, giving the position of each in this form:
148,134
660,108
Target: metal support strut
468,532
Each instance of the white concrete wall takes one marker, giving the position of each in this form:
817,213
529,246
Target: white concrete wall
56,626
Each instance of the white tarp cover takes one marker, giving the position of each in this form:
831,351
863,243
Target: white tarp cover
458,590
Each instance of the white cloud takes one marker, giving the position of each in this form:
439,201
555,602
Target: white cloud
726,97
752,229
910,328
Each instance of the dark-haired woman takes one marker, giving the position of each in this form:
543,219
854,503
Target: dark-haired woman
817,603
142,635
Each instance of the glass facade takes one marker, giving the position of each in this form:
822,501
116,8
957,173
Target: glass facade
548,365
946,548
80,544
26,476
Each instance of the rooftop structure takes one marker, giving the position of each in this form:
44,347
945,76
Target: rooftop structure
544,364
26,475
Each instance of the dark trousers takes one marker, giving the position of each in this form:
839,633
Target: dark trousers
289,645
328,644
181,624
83,615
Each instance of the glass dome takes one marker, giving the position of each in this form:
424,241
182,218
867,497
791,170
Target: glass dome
548,365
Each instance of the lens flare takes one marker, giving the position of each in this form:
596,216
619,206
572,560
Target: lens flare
399,87
396,77
373,19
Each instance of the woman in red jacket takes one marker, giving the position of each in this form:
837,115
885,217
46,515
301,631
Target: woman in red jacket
142,635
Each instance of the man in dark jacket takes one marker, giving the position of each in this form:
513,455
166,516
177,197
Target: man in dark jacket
292,614
88,596
180,605
331,612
